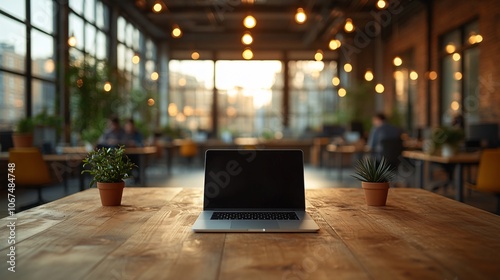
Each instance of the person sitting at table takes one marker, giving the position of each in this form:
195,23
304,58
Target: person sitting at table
114,134
382,130
132,137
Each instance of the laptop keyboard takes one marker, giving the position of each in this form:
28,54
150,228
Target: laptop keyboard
254,216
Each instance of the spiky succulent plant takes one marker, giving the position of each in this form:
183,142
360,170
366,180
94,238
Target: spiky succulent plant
369,170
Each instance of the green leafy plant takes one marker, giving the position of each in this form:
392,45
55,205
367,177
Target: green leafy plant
108,165
25,125
447,135
368,170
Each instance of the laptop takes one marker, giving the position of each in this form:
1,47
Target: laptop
254,191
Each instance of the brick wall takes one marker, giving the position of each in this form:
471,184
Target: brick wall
448,15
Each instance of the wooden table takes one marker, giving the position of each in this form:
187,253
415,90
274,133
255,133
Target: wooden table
457,162
419,235
141,152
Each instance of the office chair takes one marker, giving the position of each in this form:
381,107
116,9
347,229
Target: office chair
31,170
487,174
392,149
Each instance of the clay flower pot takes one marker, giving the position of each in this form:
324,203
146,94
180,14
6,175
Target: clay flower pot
111,193
22,140
375,193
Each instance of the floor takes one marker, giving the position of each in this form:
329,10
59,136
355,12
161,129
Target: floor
192,177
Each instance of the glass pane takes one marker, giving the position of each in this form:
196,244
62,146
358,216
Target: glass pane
136,40
452,89
121,29
76,29
90,10
451,42
14,8
90,39
44,96
42,15
129,30
42,52
102,16
12,44
77,6
102,46
128,60
75,57
12,89
471,84
120,53
191,73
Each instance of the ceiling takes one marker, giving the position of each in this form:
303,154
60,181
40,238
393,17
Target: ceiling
216,25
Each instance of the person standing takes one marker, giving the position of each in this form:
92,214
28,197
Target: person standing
132,137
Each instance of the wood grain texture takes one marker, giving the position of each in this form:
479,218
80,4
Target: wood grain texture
418,235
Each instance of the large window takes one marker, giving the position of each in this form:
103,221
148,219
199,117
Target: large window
14,75
250,96
460,74
191,94
314,101
405,87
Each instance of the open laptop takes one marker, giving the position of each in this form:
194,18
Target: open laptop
254,191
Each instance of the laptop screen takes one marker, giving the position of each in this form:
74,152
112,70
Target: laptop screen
254,179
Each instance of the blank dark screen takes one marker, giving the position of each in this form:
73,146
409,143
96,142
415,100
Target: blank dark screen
254,179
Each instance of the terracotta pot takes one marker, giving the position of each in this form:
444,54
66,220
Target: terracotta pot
22,140
375,193
111,193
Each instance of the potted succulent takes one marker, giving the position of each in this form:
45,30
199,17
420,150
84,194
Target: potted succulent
109,166
23,135
374,177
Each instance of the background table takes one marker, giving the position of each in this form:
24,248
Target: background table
419,235
457,162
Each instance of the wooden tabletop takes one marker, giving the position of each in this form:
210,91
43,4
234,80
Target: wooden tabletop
4,156
457,158
419,235
128,150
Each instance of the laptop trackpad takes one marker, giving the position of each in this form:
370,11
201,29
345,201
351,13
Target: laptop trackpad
254,225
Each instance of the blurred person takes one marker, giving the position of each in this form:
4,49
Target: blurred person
113,135
381,130
132,137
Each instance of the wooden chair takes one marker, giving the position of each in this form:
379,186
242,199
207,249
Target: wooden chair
188,149
31,170
487,174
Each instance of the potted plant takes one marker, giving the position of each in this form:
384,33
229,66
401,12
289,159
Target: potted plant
374,177
23,135
447,140
109,166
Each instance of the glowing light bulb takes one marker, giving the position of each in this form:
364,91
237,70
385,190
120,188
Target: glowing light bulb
72,40
176,31
107,87
247,54
397,61
154,76
413,75
347,67
349,26
151,102
249,22
300,16
157,7
342,92
450,48
334,44
368,75
335,81
318,56
195,55
247,38
381,4
456,56
136,59
379,88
